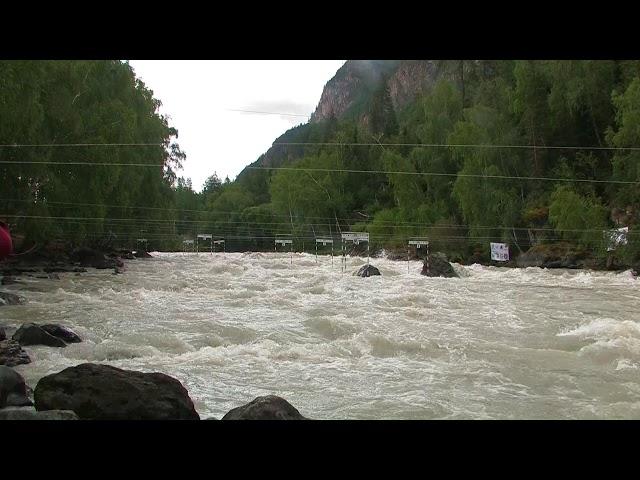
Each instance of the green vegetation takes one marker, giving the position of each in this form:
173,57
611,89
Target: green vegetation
465,204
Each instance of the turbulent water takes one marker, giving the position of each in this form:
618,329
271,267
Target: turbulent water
496,343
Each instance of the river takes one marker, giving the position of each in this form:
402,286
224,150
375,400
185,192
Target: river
496,343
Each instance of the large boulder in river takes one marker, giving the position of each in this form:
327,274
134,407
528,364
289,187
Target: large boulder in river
13,389
61,332
269,407
32,334
142,254
88,257
9,299
367,271
103,392
437,265
554,255
12,354
32,414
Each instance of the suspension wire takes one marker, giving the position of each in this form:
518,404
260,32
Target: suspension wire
439,174
48,145
451,145
138,221
103,164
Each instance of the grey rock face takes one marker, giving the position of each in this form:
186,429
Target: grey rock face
9,299
12,354
61,332
13,389
32,334
102,392
367,271
436,265
31,414
270,407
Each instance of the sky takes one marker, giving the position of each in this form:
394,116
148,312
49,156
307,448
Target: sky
197,96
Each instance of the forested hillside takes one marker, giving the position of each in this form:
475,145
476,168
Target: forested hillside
485,151
59,180
464,152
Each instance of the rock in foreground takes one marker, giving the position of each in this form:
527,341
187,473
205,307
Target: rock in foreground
3,335
9,299
13,389
367,271
30,414
437,265
12,354
102,392
32,334
269,407
61,332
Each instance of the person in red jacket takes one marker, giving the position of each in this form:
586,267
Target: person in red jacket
6,245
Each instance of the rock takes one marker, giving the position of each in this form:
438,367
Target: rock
436,265
13,389
367,271
12,354
32,334
9,299
60,268
89,257
3,334
9,281
556,255
142,254
103,392
61,332
31,414
269,407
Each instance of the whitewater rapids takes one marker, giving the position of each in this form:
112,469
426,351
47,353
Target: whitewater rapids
496,343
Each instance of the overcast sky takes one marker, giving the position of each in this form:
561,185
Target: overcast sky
197,94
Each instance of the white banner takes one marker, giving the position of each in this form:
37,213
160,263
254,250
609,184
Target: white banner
617,237
500,252
205,236
283,242
418,242
324,241
356,236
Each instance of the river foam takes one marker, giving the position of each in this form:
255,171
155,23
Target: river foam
495,343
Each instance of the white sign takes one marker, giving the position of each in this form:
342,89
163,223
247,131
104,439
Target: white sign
218,241
500,252
356,236
418,243
284,242
205,235
324,241
617,237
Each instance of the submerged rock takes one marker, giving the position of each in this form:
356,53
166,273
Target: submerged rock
13,389
556,255
89,257
142,254
367,271
437,265
32,334
9,299
63,333
270,407
32,414
12,354
103,392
